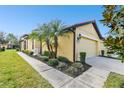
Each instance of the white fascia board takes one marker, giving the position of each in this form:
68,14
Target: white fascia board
82,35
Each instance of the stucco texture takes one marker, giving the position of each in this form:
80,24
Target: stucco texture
89,43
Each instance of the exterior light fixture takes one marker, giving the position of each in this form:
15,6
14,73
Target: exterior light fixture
79,37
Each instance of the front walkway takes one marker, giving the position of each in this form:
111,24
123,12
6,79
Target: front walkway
94,77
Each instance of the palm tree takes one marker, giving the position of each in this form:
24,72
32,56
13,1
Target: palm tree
57,29
47,37
38,35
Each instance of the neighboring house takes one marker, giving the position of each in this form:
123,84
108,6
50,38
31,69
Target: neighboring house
82,37
3,45
29,44
9,45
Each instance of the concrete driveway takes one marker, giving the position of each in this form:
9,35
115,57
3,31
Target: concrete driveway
107,64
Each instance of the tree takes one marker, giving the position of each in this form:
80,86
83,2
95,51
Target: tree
47,37
49,33
2,38
38,35
113,17
12,39
57,29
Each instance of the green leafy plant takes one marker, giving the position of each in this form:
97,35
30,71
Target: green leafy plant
31,53
46,53
63,59
113,16
44,58
78,65
26,51
53,62
62,66
2,49
72,70
17,49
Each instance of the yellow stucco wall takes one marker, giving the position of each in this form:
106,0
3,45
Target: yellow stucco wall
65,47
44,47
91,44
88,43
30,44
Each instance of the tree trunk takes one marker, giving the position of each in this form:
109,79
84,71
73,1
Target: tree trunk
41,47
56,45
48,47
52,52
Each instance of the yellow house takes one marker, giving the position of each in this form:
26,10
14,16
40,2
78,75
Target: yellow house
29,44
82,37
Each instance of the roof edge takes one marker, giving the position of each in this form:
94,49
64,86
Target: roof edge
85,23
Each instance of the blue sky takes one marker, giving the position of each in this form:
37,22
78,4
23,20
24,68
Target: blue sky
23,19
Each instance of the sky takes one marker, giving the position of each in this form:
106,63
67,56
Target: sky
21,20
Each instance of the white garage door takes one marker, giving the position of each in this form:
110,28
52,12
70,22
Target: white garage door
88,46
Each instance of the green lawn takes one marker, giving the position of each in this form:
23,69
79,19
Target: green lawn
114,80
15,72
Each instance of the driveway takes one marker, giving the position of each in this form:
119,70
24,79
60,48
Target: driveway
107,64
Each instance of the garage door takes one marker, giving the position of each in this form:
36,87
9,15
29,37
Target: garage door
86,45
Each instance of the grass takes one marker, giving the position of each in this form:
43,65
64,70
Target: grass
114,80
17,73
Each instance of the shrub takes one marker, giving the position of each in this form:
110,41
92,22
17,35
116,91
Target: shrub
49,54
26,51
62,66
46,53
2,49
82,57
44,58
77,65
53,62
31,53
122,85
122,60
63,59
17,49
72,70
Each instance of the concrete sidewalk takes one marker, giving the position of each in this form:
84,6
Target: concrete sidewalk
91,78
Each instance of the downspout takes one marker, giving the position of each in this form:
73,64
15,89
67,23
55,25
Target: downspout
73,30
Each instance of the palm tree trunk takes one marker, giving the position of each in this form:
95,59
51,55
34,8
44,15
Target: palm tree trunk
52,52
48,47
56,45
41,47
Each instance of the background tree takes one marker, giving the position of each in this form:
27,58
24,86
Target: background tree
113,17
13,40
2,38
